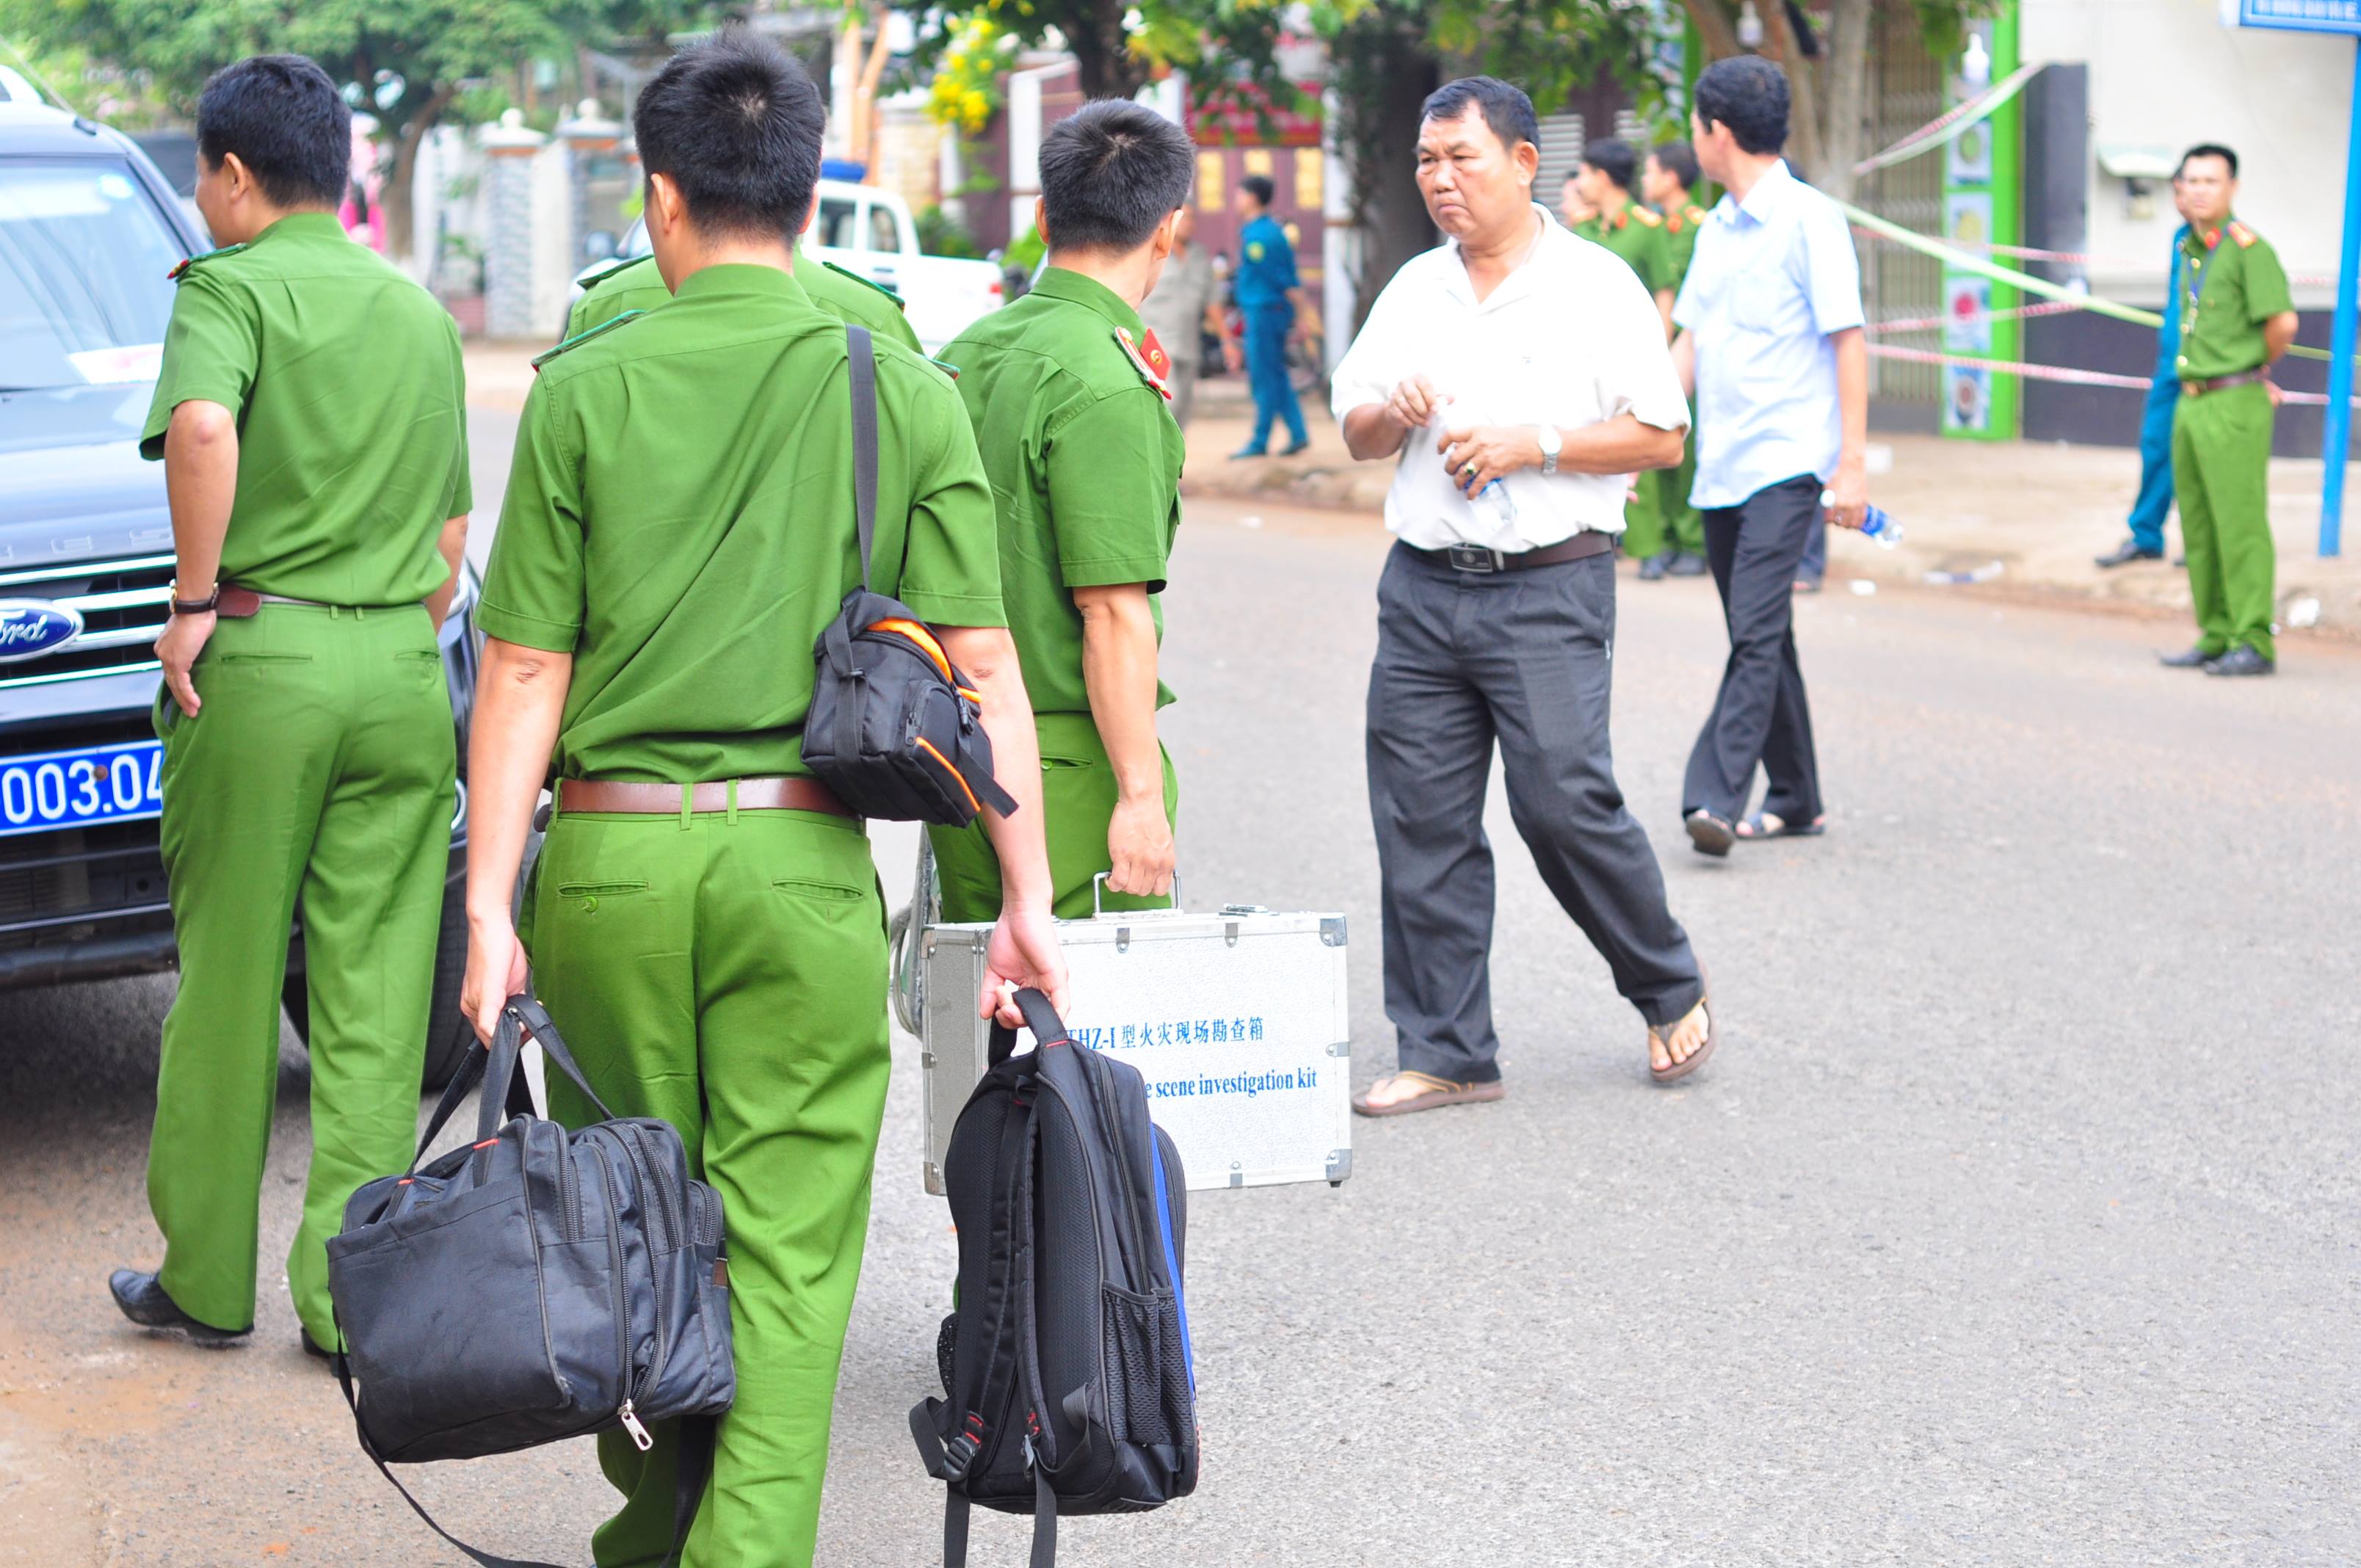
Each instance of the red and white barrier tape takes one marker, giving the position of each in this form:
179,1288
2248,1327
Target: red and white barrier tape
2083,259
2050,372
2015,312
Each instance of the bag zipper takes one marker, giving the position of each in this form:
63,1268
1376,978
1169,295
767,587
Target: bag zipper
625,1412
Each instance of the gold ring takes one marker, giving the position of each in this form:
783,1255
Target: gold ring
1469,471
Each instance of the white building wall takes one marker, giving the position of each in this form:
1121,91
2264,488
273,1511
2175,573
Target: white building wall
2166,73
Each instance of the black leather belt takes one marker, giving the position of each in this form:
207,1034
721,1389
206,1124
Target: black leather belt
1475,559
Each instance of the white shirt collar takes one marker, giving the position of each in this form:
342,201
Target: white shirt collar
1515,285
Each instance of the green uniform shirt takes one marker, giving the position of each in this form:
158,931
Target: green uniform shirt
1637,235
637,286
1680,233
679,518
351,404
1085,460
2234,284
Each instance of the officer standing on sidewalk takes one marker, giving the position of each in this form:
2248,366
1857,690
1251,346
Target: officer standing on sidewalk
706,923
1069,406
1270,297
1636,236
1667,181
2236,319
318,518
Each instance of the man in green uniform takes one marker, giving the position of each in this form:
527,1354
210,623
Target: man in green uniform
1634,233
637,286
1070,405
310,416
704,922
2236,319
1668,180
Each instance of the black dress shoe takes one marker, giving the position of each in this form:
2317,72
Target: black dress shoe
2242,661
2196,658
311,1345
1652,568
144,1302
1686,565
2123,555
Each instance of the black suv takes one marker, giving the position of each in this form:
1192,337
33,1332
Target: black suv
88,231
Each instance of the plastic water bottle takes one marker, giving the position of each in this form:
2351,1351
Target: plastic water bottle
1876,524
1494,502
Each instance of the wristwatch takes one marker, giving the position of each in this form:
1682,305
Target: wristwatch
204,606
1549,446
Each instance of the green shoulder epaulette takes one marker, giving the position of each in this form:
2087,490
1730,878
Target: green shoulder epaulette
598,273
2242,235
176,274
580,338
869,282
1646,217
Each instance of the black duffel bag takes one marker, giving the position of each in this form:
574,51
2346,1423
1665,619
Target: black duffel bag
893,728
543,1284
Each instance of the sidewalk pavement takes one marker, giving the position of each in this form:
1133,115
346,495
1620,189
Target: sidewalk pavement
2039,513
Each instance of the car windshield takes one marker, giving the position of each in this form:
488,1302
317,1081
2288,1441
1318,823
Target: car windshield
83,288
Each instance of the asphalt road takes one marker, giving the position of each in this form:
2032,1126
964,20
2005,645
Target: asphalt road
2015,1223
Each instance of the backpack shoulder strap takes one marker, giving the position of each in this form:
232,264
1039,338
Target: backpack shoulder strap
862,358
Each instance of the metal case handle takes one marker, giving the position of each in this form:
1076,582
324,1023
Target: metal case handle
1098,902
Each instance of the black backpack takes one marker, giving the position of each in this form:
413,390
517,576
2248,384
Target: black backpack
893,728
1068,1385
539,1285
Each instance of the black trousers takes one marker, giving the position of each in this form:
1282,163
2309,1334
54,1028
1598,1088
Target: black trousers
1761,715
1520,660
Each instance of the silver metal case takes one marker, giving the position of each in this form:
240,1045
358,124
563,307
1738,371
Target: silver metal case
1236,1020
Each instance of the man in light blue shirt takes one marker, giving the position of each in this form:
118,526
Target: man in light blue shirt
1770,339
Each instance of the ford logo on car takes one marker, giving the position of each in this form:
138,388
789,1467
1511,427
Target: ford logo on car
30,628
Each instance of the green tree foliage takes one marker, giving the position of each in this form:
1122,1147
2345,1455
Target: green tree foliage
405,62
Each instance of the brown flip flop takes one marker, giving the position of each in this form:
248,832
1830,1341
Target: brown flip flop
1696,1059
1439,1091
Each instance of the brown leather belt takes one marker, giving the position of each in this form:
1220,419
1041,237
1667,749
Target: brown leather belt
237,604
663,799
2222,383
1475,559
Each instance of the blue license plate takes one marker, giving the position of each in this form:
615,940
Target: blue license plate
70,789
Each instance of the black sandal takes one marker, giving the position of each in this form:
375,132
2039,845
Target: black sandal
1753,828
1709,834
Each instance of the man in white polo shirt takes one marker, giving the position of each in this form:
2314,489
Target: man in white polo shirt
1520,376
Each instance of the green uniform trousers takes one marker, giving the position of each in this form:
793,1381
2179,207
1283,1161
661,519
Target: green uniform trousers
1078,797
1661,519
2221,477
317,771
726,972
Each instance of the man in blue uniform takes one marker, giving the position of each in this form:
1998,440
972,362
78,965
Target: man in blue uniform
2155,500
1268,294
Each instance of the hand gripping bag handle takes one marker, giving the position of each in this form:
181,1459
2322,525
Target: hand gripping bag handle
1039,1017
496,1064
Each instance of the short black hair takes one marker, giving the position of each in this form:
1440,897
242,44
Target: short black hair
735,123
1748,94
1259,187
1614,158
286,122
2208,149
1677,158
1506,108
1110,171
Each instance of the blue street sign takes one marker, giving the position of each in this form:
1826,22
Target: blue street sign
2302,16
2336,422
